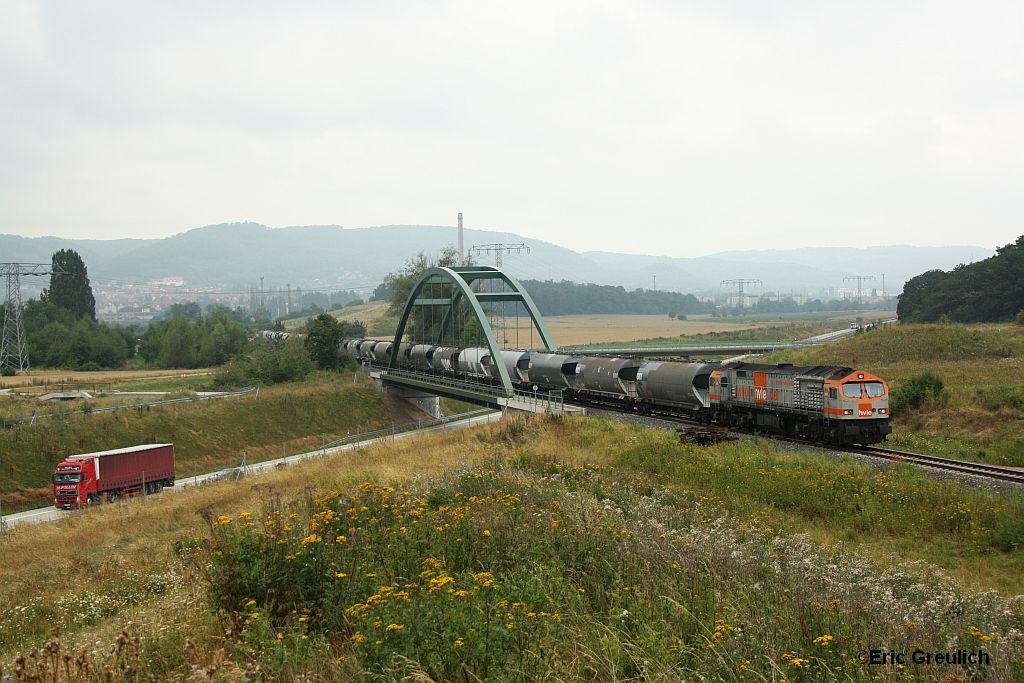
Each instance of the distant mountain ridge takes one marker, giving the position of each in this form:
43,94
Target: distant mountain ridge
237,254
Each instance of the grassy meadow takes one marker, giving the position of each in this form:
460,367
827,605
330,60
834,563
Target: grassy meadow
534,549
981,414
207,435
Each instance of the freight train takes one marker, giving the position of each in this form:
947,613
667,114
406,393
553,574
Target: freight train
821,403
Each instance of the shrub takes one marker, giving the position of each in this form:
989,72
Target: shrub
91,366
270,362
1020,317
1001,396
916,392
1008,533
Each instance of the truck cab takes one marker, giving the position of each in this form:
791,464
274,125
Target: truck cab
74,484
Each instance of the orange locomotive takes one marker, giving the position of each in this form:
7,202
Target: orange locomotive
824,403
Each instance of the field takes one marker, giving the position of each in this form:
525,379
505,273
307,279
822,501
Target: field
207,435
101,377
979,416
574,330
533,549
365,313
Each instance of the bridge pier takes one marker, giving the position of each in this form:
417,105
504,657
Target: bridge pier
430,403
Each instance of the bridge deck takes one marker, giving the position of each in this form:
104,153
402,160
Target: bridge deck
477,392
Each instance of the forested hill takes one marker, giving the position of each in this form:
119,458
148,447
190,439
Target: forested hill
986,291
568,298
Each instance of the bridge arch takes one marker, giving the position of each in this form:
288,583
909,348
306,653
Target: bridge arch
446,289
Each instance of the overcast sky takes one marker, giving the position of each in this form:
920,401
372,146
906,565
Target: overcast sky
677,128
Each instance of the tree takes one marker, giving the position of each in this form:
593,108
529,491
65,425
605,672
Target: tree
69,285
323,338
398,285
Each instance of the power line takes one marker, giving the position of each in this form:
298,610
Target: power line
498,324
499,248
860,280
739,283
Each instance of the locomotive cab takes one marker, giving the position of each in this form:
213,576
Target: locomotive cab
857,405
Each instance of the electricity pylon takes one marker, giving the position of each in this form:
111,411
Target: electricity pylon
739,284
860,280
13,353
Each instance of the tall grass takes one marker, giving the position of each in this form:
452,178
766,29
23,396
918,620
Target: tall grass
532,567
206,435
539,549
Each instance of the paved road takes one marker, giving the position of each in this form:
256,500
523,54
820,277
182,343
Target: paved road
49,514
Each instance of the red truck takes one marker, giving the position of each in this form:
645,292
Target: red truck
94,477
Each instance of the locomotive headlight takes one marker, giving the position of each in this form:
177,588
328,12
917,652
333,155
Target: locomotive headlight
883,411
848,412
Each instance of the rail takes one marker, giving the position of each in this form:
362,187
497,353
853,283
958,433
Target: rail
979,469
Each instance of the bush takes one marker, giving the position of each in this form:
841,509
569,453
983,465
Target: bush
1001,396
232,375
91,366
1020,317
916,392
8,372
1008,533
270,362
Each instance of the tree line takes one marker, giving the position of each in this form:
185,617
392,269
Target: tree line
61,331
991,290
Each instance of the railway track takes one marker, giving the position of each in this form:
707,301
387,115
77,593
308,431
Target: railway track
977,469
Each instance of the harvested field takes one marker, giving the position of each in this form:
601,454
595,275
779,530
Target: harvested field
364,313
595,329
42,377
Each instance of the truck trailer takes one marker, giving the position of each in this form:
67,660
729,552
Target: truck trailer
91,478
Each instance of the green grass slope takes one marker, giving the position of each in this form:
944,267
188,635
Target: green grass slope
206,434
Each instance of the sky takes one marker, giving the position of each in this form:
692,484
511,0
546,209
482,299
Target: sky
642,126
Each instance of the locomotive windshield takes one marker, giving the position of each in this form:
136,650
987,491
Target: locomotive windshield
67,478
867,390
853,390
874,389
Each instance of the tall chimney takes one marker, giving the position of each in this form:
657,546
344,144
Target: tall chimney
462,258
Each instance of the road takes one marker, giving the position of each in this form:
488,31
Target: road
49,514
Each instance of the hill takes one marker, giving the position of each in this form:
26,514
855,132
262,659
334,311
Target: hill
237,254
987,291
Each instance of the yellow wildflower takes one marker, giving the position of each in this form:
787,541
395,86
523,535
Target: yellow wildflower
823,640
439,582
394,627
